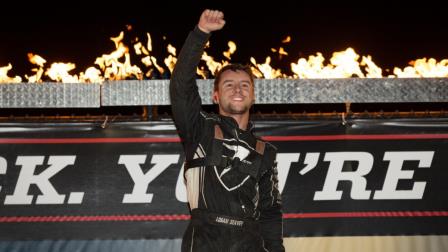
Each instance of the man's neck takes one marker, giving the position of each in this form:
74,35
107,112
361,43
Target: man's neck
241,119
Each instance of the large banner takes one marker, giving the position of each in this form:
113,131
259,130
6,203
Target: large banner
81,181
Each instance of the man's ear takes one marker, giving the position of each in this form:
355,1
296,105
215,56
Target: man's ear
215,98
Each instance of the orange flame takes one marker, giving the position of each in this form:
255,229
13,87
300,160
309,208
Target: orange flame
343,64
212,65
424,68
286,40
232,49
171,60
117,65
39,61
113,68
4,78
92,75
59,72
266,70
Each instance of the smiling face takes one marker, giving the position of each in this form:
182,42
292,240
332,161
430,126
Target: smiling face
235,93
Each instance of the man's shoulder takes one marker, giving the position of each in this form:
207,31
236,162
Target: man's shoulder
266,143
270,145
265,147
270,148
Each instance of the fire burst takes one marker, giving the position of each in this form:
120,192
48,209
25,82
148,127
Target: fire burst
117,66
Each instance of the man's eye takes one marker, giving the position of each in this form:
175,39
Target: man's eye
245,86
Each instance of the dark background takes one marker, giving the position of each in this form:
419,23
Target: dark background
79,31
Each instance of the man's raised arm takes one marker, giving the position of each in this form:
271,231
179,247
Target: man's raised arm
185,99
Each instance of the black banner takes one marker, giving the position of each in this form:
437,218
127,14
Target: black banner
82,181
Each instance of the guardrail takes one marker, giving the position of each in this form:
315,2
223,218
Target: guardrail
267,91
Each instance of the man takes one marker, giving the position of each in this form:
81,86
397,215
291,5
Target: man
230,175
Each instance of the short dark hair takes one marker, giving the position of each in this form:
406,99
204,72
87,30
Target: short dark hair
233,67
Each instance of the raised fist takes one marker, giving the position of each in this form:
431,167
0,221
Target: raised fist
211,20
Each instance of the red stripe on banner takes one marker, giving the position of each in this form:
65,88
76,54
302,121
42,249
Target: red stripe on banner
184,217
87,140
366,214
174,217
177,139
354,137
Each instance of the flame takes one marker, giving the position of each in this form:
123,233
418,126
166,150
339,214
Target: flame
373,71
117,65
92,75
59,72
150,60
265,70
232,49
4,75
171,60
346,64
36,59
343,64
171,49
424,68
201,72
138,48
212,65
286,40
149,45
159,68
39,61
310,68
281,52
113,68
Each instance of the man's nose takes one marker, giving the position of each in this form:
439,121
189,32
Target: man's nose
237,87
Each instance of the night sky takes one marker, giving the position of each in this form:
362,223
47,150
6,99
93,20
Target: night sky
78,32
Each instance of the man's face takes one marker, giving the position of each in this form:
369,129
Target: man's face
235,93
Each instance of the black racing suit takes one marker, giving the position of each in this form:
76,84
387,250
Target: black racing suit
231,175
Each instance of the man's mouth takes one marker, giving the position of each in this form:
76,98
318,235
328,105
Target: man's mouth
237,98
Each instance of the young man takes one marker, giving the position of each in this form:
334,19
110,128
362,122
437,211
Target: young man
230,175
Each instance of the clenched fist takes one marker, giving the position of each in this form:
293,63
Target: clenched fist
211,20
